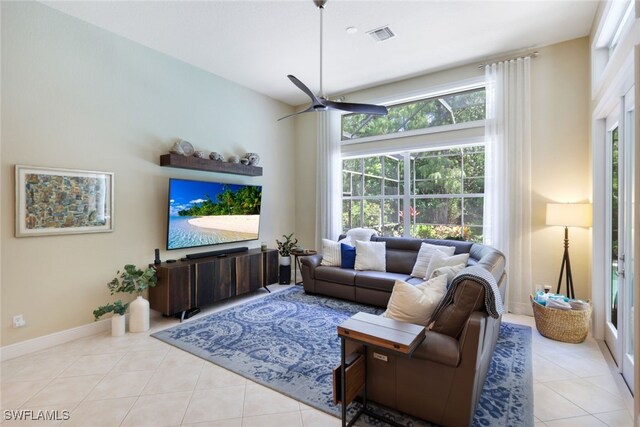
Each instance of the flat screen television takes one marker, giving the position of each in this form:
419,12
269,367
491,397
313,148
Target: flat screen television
204,213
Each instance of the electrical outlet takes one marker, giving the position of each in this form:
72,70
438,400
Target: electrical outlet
18,321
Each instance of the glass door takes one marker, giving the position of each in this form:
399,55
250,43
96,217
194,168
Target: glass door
620,236
628,256
613,236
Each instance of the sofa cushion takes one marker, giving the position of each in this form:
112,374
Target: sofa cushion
379,280
339,275
348,254
424,257
415,304
363,234
450,271
469,297
331,256
439,259
370,256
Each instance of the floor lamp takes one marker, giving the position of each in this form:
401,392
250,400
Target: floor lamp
568,215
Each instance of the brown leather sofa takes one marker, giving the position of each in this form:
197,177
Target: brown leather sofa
442,381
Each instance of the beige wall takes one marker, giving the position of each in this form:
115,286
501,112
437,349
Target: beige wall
75,96
560,152
561,158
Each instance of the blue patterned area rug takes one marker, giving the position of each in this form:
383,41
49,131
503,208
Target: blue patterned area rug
288,341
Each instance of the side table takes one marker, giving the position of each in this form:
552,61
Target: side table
378,332
296,263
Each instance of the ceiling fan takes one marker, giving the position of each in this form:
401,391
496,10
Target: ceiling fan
320,102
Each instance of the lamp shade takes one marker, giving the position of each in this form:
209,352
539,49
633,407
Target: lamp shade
569,214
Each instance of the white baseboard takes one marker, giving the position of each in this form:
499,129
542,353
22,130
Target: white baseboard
40,343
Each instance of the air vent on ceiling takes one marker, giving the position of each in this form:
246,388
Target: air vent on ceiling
381,34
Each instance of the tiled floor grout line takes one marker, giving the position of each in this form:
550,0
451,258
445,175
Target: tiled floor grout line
594,353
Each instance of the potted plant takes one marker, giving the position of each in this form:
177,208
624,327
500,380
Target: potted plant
284,249
133,279
117,320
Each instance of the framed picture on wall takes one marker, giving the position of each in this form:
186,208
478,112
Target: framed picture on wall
62,201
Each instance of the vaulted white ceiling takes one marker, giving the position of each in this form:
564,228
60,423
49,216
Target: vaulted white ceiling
257,43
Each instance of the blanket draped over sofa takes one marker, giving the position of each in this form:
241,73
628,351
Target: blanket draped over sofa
441,382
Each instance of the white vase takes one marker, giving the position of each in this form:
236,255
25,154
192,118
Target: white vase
139,315
117,325
285,260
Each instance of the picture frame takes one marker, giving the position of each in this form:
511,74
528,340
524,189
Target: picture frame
53,201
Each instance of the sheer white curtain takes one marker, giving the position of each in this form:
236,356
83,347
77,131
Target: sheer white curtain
507,205
329,178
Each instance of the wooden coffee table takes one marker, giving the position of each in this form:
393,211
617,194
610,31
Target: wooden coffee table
378,332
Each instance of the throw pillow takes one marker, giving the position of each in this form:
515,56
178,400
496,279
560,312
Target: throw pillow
450,271
415,304
359,233
439,260
424,256
331,252
371,256
348,254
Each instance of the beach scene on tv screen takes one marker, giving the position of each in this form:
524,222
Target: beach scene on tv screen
209,213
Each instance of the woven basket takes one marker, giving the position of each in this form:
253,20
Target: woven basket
562,325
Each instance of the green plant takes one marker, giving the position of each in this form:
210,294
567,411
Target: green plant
285,247
116,308
132,280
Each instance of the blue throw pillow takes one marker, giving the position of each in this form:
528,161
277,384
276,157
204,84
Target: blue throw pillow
348,255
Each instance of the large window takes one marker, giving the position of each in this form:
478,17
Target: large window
449,109
427,194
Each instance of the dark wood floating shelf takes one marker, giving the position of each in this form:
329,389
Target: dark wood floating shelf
183,162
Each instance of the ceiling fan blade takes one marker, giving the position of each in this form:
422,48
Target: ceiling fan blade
299,112
378,110
305,89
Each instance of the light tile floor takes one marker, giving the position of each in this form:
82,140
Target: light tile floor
137,380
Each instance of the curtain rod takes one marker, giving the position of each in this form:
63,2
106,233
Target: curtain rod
533,54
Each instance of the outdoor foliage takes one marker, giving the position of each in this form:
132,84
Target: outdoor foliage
446,193
453,108
245,201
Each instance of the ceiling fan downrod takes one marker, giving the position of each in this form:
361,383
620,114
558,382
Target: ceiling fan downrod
320,4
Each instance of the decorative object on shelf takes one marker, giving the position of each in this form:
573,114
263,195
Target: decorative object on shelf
53,201
568,215
216,156
117,320
200,154
253,158
136,280
234,159
177,149
244,161
284,250
182,147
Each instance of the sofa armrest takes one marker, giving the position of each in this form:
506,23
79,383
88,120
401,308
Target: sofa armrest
308,265
438,348
311,262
